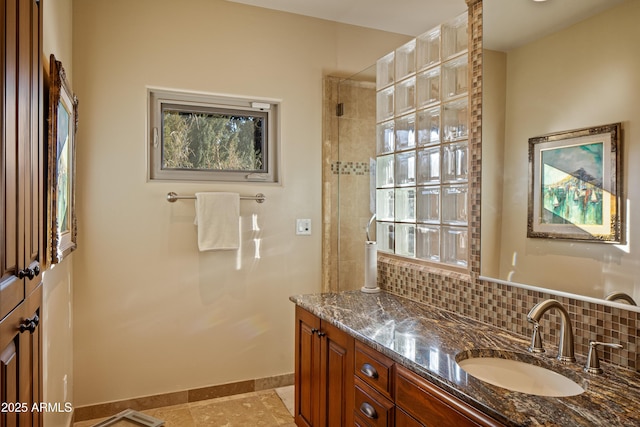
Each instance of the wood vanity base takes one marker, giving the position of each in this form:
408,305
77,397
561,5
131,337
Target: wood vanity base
342,382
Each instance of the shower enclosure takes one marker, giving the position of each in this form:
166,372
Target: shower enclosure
349,153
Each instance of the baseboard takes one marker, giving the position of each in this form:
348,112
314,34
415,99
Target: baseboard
102,410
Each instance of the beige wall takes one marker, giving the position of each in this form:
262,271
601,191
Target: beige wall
600,86
151,313
57,336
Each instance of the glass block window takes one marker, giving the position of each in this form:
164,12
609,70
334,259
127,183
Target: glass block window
422,172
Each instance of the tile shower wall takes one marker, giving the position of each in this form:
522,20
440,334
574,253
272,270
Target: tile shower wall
350,168
330,189
495,303
346,173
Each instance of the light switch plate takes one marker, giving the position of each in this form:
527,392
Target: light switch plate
303,227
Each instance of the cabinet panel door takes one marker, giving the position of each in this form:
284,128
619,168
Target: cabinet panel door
33,159
21,222
323,373
20,363
9,380
336,367
307,360
12,290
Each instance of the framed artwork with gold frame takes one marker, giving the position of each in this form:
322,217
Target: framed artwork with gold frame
575,185
61,165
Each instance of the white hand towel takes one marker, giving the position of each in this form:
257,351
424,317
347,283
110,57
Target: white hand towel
218,221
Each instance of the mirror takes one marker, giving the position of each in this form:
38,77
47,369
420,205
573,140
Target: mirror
575,75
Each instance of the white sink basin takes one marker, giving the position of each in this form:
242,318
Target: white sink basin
520,376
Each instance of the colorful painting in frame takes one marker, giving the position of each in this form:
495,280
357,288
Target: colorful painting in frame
575,185
63,121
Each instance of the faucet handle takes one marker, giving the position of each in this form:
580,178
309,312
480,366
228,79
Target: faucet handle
536,339
593,362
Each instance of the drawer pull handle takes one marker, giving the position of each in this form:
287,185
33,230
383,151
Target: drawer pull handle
369,371
369,411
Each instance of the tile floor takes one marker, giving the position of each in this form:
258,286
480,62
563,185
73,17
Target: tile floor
261,408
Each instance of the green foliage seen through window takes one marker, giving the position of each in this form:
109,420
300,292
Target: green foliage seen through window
212,141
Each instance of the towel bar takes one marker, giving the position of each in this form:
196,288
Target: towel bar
259,198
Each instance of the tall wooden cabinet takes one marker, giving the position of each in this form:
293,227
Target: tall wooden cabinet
324,373
21,210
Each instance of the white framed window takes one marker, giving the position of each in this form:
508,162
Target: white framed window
208,137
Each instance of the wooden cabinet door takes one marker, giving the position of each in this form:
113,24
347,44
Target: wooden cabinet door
21,212
31,106
20,364
12,290
21,180
307,366
336,382
323,373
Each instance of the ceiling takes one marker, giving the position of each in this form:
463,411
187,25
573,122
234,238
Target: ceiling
507,23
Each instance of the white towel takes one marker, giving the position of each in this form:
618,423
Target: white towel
218,221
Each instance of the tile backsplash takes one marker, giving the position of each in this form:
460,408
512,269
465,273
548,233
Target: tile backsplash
350,168
507,306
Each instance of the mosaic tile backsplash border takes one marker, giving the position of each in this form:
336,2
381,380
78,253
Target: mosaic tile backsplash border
350,168
507,306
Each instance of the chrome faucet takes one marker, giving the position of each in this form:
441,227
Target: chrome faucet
565,346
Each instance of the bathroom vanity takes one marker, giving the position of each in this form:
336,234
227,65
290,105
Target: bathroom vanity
382,360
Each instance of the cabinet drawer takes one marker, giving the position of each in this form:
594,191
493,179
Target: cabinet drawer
371,406
358,421
433,406
405,420
374,368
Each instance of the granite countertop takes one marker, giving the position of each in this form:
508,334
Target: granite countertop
427,340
